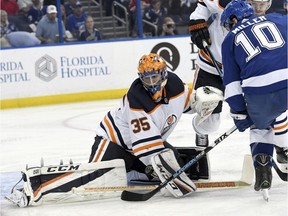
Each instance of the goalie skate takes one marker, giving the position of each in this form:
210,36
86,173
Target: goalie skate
165,165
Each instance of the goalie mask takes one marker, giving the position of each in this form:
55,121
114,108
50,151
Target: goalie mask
260,6
152,71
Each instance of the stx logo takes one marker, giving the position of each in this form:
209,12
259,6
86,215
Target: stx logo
63,168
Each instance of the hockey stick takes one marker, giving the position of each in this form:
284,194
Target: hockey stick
201,185
281,174
134,196
212,58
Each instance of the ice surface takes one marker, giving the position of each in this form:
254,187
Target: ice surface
67,131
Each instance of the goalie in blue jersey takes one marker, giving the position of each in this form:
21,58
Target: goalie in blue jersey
254,55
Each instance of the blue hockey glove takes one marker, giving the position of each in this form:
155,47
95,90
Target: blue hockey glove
241,120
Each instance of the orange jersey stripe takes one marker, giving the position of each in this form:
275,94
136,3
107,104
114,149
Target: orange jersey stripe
147,146
103,143
280,127
188,97
111,131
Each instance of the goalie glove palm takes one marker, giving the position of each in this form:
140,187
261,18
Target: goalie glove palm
205,99
165,165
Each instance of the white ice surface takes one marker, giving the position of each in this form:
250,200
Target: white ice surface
67,131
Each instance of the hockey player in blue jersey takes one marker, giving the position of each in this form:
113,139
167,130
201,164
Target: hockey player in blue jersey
280,126
254,56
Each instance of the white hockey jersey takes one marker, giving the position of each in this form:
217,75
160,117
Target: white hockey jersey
139,124
211,10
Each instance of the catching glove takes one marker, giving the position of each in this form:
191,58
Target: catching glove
241,120
199,32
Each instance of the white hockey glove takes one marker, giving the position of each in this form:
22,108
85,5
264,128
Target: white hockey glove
165,165
204,100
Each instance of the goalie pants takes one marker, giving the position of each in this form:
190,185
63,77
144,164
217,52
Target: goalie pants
207,79
104,150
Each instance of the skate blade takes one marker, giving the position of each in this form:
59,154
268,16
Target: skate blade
265,194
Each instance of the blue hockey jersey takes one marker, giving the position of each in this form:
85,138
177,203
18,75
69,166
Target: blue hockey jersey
254,56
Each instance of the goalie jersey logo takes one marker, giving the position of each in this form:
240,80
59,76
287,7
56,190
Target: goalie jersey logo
170,121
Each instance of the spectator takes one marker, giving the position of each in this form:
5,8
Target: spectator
52,2
25,3
168,27
36,12
21,20
75,20
68,5
21,38
10,6
64,16
133,14
47,28
6,27
174,10
155,15
90,32
187,6
276,6
285,6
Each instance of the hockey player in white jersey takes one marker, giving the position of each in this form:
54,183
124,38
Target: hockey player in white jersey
135,132
280,126
205,25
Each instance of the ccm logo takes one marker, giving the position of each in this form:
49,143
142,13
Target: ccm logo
62,168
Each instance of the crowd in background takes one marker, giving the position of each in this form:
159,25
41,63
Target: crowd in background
34,22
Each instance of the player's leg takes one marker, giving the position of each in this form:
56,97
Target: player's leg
103,150
263,109
211,124
262,154
280,129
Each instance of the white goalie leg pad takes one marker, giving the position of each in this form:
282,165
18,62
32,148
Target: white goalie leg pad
165,165
60,183
205,100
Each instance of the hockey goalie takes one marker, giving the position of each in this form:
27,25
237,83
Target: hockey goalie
131,143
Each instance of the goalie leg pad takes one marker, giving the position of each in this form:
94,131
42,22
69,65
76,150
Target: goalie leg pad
165,165
56,183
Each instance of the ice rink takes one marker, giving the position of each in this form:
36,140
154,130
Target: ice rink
67,131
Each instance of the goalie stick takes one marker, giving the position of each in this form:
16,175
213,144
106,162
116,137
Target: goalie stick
201,185
246,179
134,196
